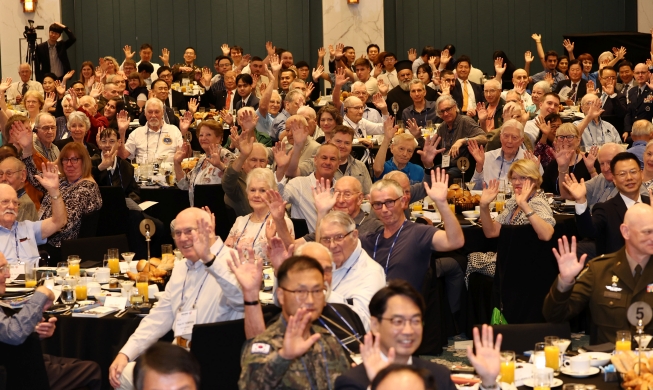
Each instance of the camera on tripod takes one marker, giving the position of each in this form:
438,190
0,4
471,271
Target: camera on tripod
30,32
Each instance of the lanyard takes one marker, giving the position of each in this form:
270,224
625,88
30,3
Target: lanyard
119,175
147,142
257,233
353,332
501,168
347,273
16,239
183,288
599,133
391,248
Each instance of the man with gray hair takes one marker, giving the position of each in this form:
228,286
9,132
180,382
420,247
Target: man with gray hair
155,139
291,103
354,109
594,130
359,90
421,111
641,135
491,117
19,88
46,131
14,174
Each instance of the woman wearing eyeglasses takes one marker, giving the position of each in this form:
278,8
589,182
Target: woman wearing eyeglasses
269,210
79,191
647,172
569,159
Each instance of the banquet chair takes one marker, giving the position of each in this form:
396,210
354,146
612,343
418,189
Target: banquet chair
94,248
88,227
114,214
300,227
212,195
522,337
24,364
217,347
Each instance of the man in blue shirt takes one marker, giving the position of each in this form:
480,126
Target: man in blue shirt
642,133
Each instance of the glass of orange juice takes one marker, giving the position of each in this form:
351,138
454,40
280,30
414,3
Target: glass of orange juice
30,276
141,286
552,352
73,265
80,287
622,343
508,366
114,262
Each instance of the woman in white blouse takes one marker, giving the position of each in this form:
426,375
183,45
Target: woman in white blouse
211,165
269,209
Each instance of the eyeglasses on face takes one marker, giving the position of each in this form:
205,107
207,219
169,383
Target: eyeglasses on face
389,204
623,174
399,322
446,110
73,160
565,137
301,295
338,239
9,174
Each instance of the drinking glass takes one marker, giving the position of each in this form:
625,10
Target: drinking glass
552,353
126,288
62,269
623,341
142,285
196,154
539,357
563,344
48,279
73,265
508,366
81,288
643,340
542,378
68,295
114,262
178,255
30,276
166,252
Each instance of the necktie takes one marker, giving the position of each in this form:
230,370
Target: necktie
24,90
465,96
228,102
638,273
573,92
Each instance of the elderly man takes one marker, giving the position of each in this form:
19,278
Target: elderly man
226,98
625,272
602,224
19,240
201,290
550,105
407,256
455,133
160,90
642,133
14,174
397,325
291,103
155,139
520,82
19,88
593,130
46,131
612,101
400,94
491,117
422,110
359,90
354,109
640,99
110,91
494,165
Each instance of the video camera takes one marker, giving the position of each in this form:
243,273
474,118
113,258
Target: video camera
30,32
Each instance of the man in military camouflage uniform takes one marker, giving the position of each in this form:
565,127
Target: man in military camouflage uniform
292,353
610,283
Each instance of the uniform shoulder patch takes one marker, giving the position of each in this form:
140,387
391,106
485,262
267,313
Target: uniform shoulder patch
260,348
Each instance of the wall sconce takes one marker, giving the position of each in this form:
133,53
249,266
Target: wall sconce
352,1
29,5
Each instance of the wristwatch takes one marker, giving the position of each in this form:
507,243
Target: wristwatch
466,140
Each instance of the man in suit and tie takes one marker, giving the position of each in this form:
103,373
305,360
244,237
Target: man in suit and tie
466,93
245,98
604,222
576,84
613,102
52,55
161,89
225,99
627,78
640,98
175,98
609,283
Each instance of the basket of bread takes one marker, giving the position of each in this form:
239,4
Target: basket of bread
188,164
637,373
463,199
156,270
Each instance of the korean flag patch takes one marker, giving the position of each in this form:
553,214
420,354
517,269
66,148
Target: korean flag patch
261,348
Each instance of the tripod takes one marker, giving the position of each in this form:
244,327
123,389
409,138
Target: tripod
30,35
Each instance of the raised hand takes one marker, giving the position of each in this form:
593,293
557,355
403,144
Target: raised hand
378,69
109,156
270,48
568,45
100,73
4,86
520,87
438,189
129,54
477,151
591,88
225,49
22,136
568,262
193,104
487,360
383,88
548,77
67,77
445,57
96,91
522,198
339,49
529,155
299,134
650,81
481,111
591,157
620,53
276,205
379,102
413,127
165,56
445,89
309,89
248,271
317,72
528,57
281,156
389,130
436,77
471,112
577,190
227,117
50,100
123,122
294,343
545,127
430,150
277,252
563,157
215,156
59,87
207,75
332,51
324,198
372,355
489,193
49,177
275,64
321,53
412,54
537,37
341,78
499,66
181,153
185,121
608,88
432,60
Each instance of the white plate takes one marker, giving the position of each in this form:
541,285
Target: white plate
556,382
106,287
19,289
567,371
599,359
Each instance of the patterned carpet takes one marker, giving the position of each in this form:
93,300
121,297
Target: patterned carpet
451,356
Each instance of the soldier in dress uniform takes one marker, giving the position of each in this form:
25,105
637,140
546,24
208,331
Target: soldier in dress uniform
292,353
640,98
609,283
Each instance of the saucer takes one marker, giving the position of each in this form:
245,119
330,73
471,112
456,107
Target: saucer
556,382
567,371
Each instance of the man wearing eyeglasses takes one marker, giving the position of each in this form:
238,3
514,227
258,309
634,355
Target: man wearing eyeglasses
614,102
640,98
12,172
604,222
594,130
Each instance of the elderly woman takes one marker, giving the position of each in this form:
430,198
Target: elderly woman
46,128
78,125
539,90
528,206
110,65
647,173
33,102
328,118
268,211
211,165
402,148
78,189
569,159
62,121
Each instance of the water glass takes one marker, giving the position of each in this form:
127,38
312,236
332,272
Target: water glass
62,269
539,357
48,279
68,295
542,378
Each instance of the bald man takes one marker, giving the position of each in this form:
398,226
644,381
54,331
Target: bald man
201,287
520,81
610,283
640,99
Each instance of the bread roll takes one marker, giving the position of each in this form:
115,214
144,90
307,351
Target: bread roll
155,261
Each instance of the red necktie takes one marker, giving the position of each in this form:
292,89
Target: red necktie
228,102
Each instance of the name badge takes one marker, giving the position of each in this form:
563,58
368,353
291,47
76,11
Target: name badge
15,270
184,322
446,160
611,294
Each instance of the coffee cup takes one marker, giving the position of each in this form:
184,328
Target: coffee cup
578,364
102,275
93,289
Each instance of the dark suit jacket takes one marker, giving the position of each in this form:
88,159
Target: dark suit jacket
90,148
43,55
356,378
178,100
171,117
124,178
639,108
251,102
615,106
219,99
603,224
457,93
582,88
402,98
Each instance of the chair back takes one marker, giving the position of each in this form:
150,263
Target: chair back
24,364
114,214
212,195
300,227
217,347
522,337
88,227
94,248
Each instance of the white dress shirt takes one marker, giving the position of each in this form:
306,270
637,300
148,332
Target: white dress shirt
143,142
16,88
364,127
496,167
389,78
471,98
214,291
299,193
358,279
581,207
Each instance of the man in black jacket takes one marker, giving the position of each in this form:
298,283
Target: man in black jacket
51,55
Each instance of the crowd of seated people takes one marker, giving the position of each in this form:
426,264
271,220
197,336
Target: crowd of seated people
281,154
